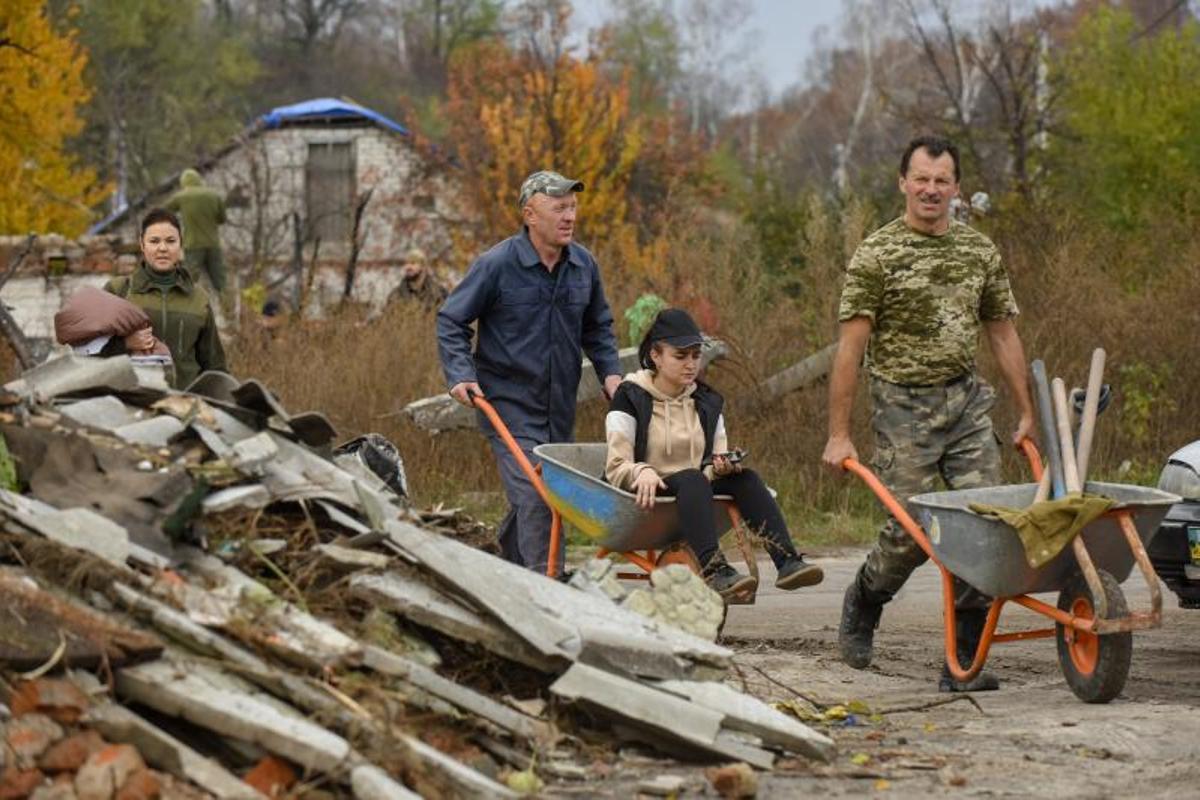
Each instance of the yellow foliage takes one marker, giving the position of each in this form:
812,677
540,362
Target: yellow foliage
515,116
41,88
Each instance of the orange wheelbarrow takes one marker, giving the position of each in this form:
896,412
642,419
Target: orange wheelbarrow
1092,623
570,481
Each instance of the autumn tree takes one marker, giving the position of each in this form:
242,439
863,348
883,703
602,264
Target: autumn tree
42,187
1130,110
168,84
642,42
982,81
516,111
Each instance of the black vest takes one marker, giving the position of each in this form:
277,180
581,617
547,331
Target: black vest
634,400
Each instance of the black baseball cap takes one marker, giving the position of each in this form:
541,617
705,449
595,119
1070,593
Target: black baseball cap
672,326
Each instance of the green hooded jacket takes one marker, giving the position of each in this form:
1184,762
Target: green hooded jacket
201,209
180,317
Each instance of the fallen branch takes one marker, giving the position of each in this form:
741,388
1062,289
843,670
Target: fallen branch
817,704
941,701
8,326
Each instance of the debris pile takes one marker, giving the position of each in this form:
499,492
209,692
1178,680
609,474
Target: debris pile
201,596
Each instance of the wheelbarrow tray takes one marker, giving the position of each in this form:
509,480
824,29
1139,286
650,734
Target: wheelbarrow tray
573,474
988,554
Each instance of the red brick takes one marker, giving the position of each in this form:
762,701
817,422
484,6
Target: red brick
24,699
71,753
106,771
272,776
141,785
15,783
30,736
58,699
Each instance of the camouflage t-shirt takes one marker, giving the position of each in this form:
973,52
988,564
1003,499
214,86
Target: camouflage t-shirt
925,296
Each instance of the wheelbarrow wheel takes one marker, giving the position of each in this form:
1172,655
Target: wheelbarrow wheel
1094,665
678,553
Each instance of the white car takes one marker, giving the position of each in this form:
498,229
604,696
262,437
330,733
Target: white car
1175,549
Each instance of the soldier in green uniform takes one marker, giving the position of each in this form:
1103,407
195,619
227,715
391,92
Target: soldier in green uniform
202,210
917,293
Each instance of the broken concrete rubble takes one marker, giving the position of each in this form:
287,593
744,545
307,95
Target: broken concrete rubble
165,752
221,703
273,653
556,620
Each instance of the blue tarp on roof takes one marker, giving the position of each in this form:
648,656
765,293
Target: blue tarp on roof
327,107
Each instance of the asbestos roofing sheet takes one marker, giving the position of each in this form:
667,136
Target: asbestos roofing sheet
72,374
156,431
104,413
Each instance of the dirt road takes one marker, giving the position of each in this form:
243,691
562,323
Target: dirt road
1032,738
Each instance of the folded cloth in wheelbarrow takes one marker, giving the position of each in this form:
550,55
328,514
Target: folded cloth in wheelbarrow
1047,527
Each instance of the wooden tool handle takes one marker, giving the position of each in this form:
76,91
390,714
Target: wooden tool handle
1043,488
1091,404
1066,446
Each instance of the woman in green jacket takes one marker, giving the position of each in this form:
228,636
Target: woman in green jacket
179,312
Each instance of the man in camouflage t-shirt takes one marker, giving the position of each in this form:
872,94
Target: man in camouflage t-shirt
917,293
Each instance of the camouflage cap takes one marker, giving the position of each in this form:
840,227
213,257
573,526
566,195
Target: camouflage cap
547,182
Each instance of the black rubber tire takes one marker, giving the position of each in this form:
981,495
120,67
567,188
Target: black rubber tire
1111,652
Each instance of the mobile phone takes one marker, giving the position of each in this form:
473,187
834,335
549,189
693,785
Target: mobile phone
735,456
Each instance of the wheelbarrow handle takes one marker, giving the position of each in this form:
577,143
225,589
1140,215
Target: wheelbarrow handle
531,472
1032,453
894,506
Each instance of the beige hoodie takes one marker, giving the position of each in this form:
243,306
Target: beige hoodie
674,440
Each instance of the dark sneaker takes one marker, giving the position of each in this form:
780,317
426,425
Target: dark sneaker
796,572
983,682
856,632
727,581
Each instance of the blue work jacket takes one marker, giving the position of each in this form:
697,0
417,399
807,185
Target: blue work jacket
534,326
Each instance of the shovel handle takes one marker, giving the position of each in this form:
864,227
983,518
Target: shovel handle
1091,407
1065,444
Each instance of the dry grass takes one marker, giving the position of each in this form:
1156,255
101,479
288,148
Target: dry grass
1078,288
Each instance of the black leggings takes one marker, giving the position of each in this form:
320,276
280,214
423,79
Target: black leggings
694,496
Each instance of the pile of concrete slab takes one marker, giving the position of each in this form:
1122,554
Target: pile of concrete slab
247,608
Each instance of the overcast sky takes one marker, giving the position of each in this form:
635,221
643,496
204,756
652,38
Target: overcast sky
785,28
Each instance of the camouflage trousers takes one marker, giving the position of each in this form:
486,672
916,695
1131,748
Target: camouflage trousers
922,434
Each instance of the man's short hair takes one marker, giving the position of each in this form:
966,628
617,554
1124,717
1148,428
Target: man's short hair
935,146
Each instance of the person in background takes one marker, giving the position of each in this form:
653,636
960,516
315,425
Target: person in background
419,283
666,436
178,309
202,210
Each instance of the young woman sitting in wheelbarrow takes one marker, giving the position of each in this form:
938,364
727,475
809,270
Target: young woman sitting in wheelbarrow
666,436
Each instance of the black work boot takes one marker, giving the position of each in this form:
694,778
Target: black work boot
968,627
861,609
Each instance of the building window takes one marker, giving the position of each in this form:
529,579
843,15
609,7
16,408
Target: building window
329,191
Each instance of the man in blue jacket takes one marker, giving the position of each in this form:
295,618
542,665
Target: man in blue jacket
539,304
